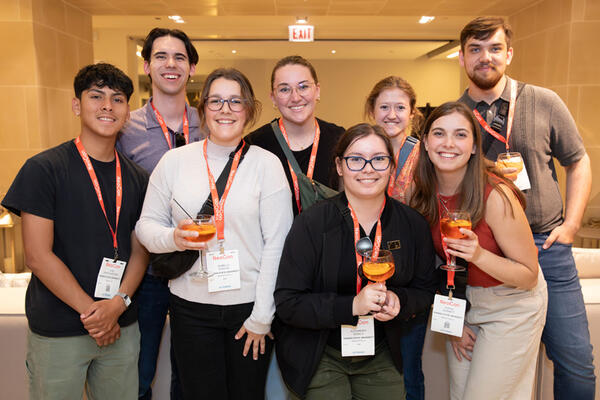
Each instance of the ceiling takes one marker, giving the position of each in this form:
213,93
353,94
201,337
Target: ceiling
301,7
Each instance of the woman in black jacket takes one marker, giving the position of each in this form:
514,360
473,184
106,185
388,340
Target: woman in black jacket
318,289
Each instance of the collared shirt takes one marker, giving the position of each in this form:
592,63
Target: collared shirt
543,129
143,141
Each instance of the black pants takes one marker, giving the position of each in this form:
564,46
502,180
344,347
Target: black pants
209,359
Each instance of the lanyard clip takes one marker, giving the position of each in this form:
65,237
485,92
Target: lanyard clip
221,248
116,257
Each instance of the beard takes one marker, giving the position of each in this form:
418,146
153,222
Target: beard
485,82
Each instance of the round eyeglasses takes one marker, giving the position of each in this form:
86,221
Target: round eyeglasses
357,163
235,104
284,91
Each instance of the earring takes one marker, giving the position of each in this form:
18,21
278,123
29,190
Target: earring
318,99
274,106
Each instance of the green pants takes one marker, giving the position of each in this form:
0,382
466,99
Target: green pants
59,368
346,378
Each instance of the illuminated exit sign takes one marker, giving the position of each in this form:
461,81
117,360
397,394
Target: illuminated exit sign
302,33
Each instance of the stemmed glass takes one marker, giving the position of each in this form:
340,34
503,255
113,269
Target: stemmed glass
205,226
450,225
510,160
378,268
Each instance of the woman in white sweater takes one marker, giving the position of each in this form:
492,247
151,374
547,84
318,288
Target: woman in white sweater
221,326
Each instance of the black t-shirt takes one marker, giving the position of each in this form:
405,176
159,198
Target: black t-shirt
56,185
324,172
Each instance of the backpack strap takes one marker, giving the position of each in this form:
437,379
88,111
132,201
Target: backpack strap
286,149
407,148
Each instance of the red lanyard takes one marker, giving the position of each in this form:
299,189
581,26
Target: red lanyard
511,115
450,274
311,162
219,205
118,190
376,245
165,130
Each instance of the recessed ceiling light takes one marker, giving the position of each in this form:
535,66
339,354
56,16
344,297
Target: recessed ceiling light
174,17
179,21
234,51
301,20
426,19
452,55
333,51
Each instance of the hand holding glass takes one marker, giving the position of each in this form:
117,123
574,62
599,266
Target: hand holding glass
510,160
205,226
450,225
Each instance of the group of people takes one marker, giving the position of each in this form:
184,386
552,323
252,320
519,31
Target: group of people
288,275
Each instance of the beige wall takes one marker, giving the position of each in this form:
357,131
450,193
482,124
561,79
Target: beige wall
556,47
44,42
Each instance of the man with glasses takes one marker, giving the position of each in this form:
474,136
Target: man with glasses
165,122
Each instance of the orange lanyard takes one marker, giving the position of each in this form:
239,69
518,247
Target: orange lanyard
393,175
376,245
219,205
165,130
96,184
450,274
311,162
511,115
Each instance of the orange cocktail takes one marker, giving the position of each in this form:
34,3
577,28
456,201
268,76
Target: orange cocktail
206,231
510,160
378,271
451,227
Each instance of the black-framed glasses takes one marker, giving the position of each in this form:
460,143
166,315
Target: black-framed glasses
236,104
179,139
358,163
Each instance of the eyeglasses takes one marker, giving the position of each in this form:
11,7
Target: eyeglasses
179,139
236,104
285,91
357,163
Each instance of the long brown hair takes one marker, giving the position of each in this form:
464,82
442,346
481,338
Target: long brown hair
395,82
471,192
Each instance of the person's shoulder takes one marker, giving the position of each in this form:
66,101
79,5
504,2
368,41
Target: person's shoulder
324,214
261,135
133,167
540,92
136,123
330,127
54,156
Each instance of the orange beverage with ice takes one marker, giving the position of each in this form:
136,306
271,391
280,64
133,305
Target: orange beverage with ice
205,231
510,160
451,227
378,272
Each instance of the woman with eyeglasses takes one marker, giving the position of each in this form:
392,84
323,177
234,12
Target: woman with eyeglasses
392,105
221,325
320,296
295,91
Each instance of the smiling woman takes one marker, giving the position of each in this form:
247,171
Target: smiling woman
295,92
221,324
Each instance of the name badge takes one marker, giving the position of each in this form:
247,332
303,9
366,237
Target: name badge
522,181
448,316
359,340
109,278
224,268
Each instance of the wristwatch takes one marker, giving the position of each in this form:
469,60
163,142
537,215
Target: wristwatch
125,298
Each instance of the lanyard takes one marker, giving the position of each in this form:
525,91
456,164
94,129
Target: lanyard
219,204
165,130
376,245
511,114
450,274
118,190
311,162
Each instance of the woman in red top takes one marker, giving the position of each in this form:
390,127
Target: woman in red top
496,356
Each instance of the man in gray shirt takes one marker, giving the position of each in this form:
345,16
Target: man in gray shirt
165,122
540,128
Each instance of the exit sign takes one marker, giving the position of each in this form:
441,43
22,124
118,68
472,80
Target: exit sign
302,33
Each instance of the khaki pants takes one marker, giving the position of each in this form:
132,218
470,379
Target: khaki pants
360,378
509,324
59,368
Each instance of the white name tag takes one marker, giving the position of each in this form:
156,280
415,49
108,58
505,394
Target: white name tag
224,269
109,278
522,181
448,316
359,340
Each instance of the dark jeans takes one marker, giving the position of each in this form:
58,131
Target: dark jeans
411,342
153,303
566,334
209,359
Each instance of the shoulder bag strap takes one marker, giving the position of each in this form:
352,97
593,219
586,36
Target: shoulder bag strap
344,210
407,148
207,207
286,149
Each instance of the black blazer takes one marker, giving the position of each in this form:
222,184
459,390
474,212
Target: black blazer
308,306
